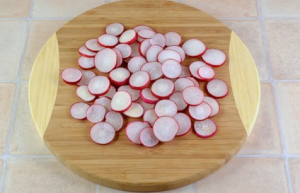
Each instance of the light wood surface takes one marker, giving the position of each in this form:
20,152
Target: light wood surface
123,165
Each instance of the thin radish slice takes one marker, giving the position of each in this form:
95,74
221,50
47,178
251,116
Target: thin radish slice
146,106
78,110
196,83
184,72
141,27
184,123
86,63
172,39
171,68
107,40
206,73
133,93
158,39
93,45
95,113
115,29
135,110
106,60
134,129
128,37
83,51
121,101
86,77
104,101
135,49
182,83
162,88
165,128
194,47
147,96
136,63
179,50
139,39
84,94
144,46
125,50
111,92
200,112
205,129
119,57
154,69
115,119
168,54
153,52
148,138
119,76
139,80
214,104
71,75
150,116
214,57
99,85
146,33
177,98
165,108
217,88
102,133
193,96
194,68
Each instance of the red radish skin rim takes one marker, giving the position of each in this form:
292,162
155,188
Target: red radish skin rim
187,91
81,60
146,33
93,41
114,121
197,118
119,82
161,59
162,96
217,97
156,122
88,94
146,99
103,112
204,78
72,82
83,51
107,142
189,124
132,38
206,136
166,68
144,46
165,113
120,110
86,106
214,65
104,37
119,57
146,125
119,25
104,91
179,50
206,99
138,107
139,87
146,145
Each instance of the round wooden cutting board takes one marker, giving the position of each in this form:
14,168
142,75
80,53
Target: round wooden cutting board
121,164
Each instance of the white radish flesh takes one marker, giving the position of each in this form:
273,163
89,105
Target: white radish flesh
205,129
184,72
194,47
111,92
214,57
153,52
147,96
135,110
78,110
128,37
196,83
162,88
192,96
86,63
99,85
154,69
84,94
165,128
102,133
150,116
200,112
115,119
93,45
83,51
139,39
134,129
95,113
158,39
217,88
194,68
182,83
144,46
119,57
177,98
172,39
104,101
119,76
206,73
168,54
106,60
146,33
148,138
125,50
115,29
121,101
171,68
214,104
135,49
86,77
107,40
184,123
133,93
139,80
136,63
146,106
71,75
179,50
165,108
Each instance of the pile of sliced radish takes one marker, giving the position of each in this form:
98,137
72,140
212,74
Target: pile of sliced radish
140,73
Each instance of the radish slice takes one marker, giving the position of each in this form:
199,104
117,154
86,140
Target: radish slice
119,57
193,96
133,93
128,37
214,104
107,40
106,60
196,83
179,50
162,88
171,68
142,27
165,108
102,133
150,116
111,92
214,57
83,51
95,113
121,101
115,29
165,128
86,77
146,106
217,88
135,110
194,47
125,50
148,138
135,49
194,68
99,85
71,75
93,45
139,80
206,73
182,83
104,101
144,46
200,112
134,129
168,54
205,129
158,39
154,69
184,123
153,52
177,98
147,96
184,72
172,39
78,110
86,63
146,33
84,94
115,119
119,76
139,39
136,63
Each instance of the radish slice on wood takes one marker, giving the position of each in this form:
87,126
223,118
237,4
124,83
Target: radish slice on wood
111,92
139,80
99,85
165,128
135,110
139,39
171,68
158,39
95,113
184,123
172,39
115,29
144,46
71,75
148,138
83,51
196,83
119,57
128,37
153,52
184,72
146,106
135,49
206,128
133,93
119,76
93,45
194,68
206,73
86,63
162,88
106,60
84,94
142,27
150,116
179,50
121,101
104,101
217,88
194,47
200,112
102,133
125,50
78,110
146,33
107,40
168,54
214,104
136,63
192,96
115,119
147,96
134,129
86,77
154,69
177,98
214,57
165,108
182,83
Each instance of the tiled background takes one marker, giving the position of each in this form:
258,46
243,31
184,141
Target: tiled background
269,162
